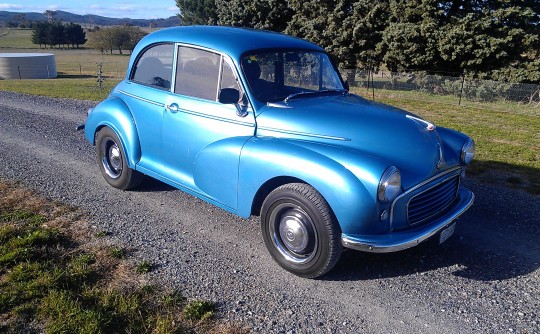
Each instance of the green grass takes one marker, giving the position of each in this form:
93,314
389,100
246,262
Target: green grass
52,282
16,38
82,89
507,139
199,310
117,252
143,267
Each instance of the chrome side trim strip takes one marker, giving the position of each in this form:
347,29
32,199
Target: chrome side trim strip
190,112
394,243
222,119
142,99
304,134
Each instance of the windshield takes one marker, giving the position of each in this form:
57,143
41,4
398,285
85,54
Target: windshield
277,75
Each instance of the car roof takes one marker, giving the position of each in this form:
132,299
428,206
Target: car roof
230,40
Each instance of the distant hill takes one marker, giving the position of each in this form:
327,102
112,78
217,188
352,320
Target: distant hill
91,20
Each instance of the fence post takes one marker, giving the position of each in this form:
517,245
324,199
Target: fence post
372,84
368,75
48,73
462,84
19,70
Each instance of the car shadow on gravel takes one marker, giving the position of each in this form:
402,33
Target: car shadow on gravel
497,239
149,184
455,257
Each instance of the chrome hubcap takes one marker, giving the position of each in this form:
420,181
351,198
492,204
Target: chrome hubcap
293,233
112,159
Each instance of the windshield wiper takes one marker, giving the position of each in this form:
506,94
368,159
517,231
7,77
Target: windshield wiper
320,92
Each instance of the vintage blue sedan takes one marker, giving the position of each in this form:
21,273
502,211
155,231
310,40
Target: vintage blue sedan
261,123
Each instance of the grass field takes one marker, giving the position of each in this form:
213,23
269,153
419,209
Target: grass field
16,38
507,134
81,89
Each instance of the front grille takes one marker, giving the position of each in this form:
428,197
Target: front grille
432,201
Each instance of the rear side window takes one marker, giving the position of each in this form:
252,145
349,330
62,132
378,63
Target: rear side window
154,67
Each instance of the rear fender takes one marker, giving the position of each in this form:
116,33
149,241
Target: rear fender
115,114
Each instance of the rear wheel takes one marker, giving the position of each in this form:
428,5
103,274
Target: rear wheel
299,230
112,161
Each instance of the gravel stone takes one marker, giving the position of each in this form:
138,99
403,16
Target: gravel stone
484,279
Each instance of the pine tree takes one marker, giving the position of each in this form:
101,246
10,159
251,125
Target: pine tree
202,12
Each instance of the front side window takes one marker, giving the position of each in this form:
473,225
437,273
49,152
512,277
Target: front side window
277,75
197,73
228,78
154,67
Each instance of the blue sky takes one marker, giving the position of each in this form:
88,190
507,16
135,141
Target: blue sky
135,9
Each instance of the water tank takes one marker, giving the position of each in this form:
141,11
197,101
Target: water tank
27,66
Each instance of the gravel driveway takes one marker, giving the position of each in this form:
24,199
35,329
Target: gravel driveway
484,279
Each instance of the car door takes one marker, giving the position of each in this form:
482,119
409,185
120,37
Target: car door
145,93
201,138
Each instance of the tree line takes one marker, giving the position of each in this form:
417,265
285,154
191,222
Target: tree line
56,34
115,38
497,39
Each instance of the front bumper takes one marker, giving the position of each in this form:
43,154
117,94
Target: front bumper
396,241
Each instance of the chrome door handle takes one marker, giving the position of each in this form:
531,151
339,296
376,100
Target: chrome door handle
173,107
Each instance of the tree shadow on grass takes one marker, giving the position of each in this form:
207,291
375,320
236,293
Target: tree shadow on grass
508,175
74,76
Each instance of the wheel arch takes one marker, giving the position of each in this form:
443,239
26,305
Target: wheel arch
115,114
268,164
267,187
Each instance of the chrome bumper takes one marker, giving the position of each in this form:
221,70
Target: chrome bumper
396,241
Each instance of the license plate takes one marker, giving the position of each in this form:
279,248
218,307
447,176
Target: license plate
446,233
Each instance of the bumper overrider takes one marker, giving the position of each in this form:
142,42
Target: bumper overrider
399,240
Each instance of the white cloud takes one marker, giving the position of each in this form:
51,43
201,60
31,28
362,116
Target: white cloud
8,6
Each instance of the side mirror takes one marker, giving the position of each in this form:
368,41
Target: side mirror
229,96
233,96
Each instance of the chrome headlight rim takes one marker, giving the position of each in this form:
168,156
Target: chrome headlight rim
389,185
468,151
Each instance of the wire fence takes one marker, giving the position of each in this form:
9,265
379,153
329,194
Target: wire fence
113,70
449,89
459,90
109,69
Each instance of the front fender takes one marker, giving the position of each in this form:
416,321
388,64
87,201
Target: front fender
453,142
114,113
349,189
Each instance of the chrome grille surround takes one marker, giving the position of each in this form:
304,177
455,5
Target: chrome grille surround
420,194
432,201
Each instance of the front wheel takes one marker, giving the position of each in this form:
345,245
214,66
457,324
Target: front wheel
112,161
299,230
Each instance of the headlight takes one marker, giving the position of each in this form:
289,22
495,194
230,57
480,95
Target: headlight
467,152
390,185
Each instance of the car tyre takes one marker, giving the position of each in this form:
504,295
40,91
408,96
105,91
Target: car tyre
112,162
300,231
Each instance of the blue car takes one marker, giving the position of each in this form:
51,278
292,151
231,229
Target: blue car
261,123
